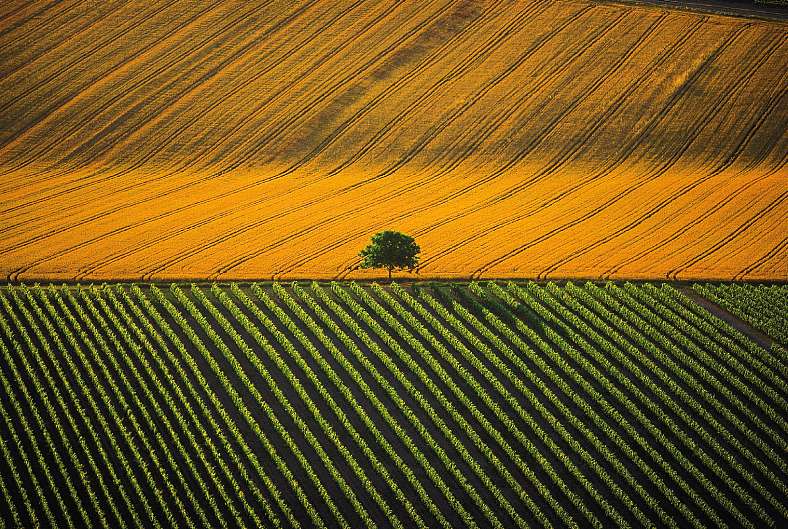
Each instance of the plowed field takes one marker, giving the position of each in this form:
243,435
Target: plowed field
197,139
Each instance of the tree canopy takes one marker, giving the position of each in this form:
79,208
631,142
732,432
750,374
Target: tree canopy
391,250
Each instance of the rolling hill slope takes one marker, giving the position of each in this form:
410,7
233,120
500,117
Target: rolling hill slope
195,139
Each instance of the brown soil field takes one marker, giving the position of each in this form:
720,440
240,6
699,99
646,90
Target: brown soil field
200,139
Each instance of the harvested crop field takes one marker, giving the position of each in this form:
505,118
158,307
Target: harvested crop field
195,139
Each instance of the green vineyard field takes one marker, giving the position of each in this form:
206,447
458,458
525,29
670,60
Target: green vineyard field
764,307
423,405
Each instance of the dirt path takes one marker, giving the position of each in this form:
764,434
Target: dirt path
759,337
734,8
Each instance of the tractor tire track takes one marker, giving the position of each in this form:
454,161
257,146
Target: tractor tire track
650,177
654,122
170,58
727,163
75,32
77,91
34,16
345,190
674,272
779,249
185,166
436,56
180,188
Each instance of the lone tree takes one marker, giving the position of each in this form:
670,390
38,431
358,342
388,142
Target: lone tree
390,250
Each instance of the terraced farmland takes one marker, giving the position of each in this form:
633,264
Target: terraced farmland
482,405
206,139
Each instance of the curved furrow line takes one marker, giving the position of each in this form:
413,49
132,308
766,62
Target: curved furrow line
246,187
349,235
684,229
750,131
148,181
583,47
78,90
254,254
687,227
365,182
710,210
699,124
75,32
447,119
639,42
428,61
628,151
568,108
127,171
169,59
10,14
195,54
35,175
473,59
729,160
779,249
628,227
110,128
186,163
590,214
162,145
476,57
611,111
549,76
608,114
258,141
38,14
673,273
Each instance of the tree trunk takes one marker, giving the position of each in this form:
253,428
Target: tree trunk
389,274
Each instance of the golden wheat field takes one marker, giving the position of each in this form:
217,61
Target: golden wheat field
167,139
